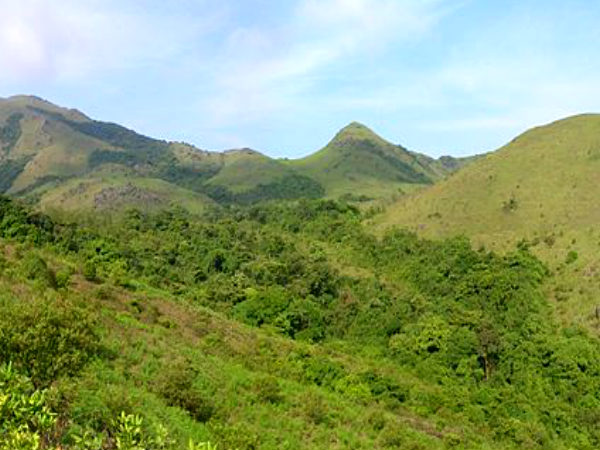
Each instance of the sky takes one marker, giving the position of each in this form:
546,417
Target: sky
439,77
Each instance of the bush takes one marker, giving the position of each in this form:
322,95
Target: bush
35,268
176,384
572,256
46,341
25,417
268,390
89,271
63,278
315,408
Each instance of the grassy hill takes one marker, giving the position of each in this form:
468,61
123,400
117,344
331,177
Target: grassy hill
45,147
542,187
358,161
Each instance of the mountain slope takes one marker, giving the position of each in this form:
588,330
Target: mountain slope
45,149
542,187
358,161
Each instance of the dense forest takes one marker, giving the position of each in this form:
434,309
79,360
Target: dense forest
284,325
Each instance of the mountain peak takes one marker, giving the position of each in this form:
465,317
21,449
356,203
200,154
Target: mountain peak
355,132
31,102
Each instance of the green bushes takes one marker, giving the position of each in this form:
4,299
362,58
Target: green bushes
17,223
46,341
424,335
572,256
89,271
35,268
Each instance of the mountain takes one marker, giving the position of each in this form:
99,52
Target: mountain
358,161
65,160
62,159
542,189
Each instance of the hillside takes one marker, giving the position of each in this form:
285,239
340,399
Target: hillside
357,161
543,188
45,149
279,326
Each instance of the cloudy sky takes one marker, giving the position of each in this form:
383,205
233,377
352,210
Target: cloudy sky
437,76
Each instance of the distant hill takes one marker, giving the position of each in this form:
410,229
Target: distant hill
543,187
358,161
45,150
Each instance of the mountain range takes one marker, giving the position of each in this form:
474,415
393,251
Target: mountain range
62,159
539,190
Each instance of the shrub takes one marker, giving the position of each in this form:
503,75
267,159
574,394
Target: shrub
63,278
572,256
268,390
45,340
176,384
35,268
315,408
25,418
89,271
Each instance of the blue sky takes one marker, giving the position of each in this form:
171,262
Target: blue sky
441,77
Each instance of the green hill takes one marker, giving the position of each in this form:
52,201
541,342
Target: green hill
46,149
358,161
542,187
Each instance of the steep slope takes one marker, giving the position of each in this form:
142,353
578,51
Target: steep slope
542,187
35,145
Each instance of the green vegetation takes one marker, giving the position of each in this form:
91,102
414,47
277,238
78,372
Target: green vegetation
281,325
45,147
10,132
180,299
9,171
359,161
540,190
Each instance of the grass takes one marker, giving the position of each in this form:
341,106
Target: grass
542,187
78,195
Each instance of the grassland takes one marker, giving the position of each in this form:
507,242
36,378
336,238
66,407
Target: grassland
542,189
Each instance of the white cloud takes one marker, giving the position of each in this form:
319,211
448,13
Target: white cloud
66,39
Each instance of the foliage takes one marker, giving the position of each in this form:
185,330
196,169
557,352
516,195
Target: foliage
25,417
257,326
44,340
10,132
